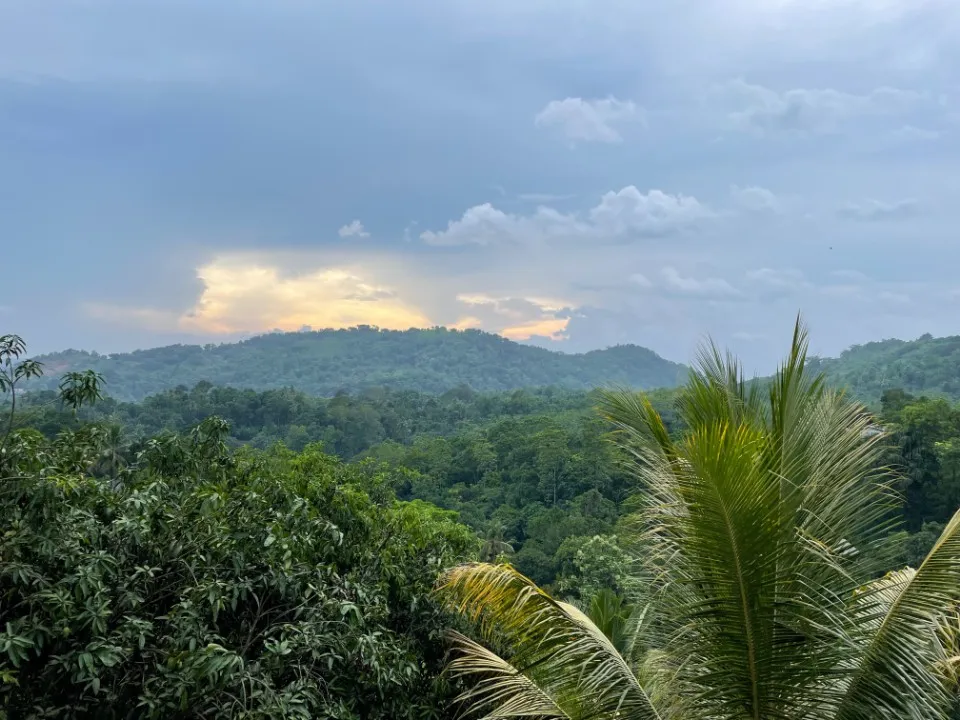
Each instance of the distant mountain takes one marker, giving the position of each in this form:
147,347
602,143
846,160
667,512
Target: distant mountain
926,365
326,362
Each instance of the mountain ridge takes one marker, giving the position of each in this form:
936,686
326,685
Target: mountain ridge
325,362
436,360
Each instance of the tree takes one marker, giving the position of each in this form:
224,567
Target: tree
76,388
494,545
13,371
762,529
215,584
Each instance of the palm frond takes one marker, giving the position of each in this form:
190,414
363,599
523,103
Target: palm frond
755,525
553,645
640,429
612,615
900,673
495,688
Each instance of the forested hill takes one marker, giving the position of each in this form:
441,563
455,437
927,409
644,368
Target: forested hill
329,361
927,365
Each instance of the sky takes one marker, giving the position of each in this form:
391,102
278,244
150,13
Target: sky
569,173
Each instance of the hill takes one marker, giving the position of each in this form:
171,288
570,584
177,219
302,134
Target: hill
927,365
330,361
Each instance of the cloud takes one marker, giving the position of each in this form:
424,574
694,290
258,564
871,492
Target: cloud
850,275
654,214
152,319
589,120
807,111
353,229
486,225
520,318
876,210
627,213
769,279
551,328
755,199
243,294
714,288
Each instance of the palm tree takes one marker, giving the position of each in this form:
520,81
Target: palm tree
494,545
113,444
762,540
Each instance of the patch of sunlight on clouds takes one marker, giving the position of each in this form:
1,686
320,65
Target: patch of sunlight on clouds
548,327
519,318
242,296
467,323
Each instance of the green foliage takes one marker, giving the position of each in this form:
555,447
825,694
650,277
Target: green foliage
199,583
530,483
526,469
926,365
761,529
347,424
75,390
925,436
329,361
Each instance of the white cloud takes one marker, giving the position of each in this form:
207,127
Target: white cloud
755,199
777,280
589,120
715,288
486,225
815,111
654,214
623,214
640,280
876,210
354,229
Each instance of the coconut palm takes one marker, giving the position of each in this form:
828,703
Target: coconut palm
493,544
113,445
761,537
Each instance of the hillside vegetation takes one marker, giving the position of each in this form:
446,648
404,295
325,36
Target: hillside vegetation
926,365
328,361
436,361
528,470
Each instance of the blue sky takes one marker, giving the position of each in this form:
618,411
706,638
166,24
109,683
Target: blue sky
569,173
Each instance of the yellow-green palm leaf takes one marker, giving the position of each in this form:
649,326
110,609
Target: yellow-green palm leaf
554,648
